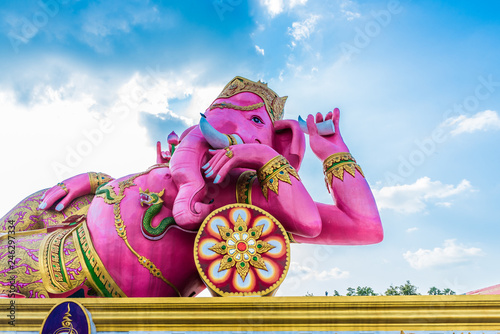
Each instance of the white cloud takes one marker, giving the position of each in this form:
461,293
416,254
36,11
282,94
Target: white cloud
275,7
149,92
101,21
481,121
412,229
351,15
449,254
259,50
59,132
349,10
61,138
412,198
302,30
306,273
294,3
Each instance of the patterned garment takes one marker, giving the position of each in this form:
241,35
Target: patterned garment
22,267
33,263
27,217
37,261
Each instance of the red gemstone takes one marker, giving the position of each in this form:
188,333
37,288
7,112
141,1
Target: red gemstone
242,246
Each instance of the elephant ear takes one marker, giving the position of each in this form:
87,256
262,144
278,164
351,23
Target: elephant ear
290,141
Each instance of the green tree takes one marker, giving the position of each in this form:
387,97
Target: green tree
448,291
403,290
336,293
435,291
408,289
361,291
392,291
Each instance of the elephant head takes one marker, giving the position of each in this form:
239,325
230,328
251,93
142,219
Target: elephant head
245,112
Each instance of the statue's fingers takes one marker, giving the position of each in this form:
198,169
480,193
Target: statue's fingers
311,126
220,168
224,169
64,202
51,196
209,167
329,116
161,156
211,172
158,149
212,153
319,117
336,117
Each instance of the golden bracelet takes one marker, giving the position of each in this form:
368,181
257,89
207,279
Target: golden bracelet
244,187
97,179
335,159
291,238
336,164
278,168
232,140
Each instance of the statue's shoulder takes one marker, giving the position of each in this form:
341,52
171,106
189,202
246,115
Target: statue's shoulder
156,176
156,179
159,168
157,173
156,170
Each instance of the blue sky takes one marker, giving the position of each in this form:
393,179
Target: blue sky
93,85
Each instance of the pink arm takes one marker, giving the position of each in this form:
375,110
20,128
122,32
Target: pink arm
65,192
354,219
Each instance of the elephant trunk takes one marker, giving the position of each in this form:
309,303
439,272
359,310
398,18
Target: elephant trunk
185,165
188,209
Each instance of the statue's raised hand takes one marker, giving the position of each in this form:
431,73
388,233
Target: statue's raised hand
324,146
65,192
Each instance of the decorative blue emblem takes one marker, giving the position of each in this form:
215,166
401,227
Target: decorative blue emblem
68,317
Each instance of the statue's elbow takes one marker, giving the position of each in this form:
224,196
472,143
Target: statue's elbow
311,229
377,234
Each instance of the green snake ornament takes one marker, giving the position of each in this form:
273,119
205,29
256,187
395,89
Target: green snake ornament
107,193
154,201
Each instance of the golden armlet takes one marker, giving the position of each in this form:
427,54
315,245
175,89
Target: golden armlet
337,163
97,179
278,168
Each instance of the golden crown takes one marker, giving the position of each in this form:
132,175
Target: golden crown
274,104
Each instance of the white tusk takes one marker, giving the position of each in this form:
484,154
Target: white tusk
325,128
238,139
216,139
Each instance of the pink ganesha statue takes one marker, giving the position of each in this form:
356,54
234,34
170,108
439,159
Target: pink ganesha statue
219,209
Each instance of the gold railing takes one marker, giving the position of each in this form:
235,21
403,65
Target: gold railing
401,313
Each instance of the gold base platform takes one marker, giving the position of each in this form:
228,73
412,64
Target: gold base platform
309,314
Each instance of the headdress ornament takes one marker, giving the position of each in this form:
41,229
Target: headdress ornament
274,104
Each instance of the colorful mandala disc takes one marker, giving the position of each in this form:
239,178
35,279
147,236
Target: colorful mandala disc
242,250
